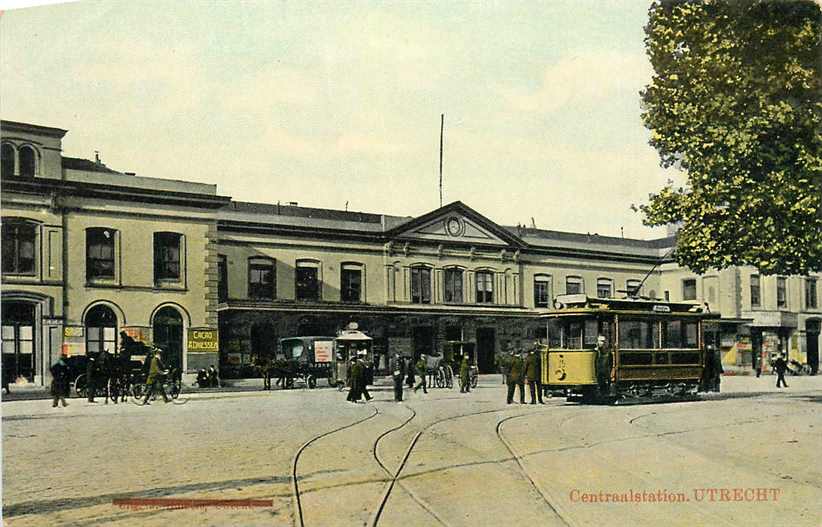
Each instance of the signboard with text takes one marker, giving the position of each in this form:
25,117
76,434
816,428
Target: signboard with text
322,350
203,340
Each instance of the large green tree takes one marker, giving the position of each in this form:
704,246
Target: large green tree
735,103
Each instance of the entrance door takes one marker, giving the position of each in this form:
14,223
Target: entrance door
486,347
812,332
263,340
168,335
18,341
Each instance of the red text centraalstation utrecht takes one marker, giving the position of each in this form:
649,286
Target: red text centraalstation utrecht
749,494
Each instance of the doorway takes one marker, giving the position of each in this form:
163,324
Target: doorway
423,340
812,333
168,335
486,348
18,341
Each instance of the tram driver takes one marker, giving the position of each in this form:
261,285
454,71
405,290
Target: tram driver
604,364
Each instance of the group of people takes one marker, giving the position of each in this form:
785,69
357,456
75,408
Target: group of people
525,367
404,371
209,378
358,378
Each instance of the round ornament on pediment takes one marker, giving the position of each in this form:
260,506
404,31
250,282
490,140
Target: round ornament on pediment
455,226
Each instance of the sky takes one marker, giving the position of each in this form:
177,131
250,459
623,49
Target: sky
324,103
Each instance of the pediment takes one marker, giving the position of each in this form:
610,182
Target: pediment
456,223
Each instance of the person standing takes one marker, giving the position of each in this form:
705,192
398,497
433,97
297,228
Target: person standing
104,373
91,378
603,365
533,371
410,371
365,367
354,376
154,381
716,371
781,365
465,375
515,376
422,368
60,381
397,367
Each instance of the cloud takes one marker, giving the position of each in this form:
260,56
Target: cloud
582,79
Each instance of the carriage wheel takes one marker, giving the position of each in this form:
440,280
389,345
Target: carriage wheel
440,380
311,381
289,382
474,381
174,389
137,390
80,385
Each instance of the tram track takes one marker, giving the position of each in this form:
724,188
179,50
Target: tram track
396,476
295,488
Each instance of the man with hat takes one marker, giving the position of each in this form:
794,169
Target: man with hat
533,371
363,372
156,374
604,364
422,369
397,367
515,376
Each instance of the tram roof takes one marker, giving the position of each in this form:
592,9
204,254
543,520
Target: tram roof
583,304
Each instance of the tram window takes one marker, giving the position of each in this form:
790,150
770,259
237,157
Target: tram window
573,336
686,357
677,334
635,359
554,333
591,332
660,357
637,334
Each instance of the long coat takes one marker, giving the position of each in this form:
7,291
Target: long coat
156,369
516,369
397,365
60,382
464,369
532,366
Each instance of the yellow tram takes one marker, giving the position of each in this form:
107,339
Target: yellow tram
657,349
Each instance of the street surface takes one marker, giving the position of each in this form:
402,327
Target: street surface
749,456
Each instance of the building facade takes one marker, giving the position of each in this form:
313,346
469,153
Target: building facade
89,252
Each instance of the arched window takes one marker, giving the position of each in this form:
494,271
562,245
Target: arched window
261,279
420,285
307,286
605,288
485,287
7,160
542,290
101,330
351,282
27,161
453,286
99,253
574,285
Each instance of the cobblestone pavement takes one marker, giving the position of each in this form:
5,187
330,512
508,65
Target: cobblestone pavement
748,456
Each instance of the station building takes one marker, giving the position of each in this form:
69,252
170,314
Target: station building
90,252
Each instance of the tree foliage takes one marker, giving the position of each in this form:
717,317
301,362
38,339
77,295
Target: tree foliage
735,103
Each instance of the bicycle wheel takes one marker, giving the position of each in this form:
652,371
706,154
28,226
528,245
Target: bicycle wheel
80,385
449,377
440,380
137,390
474,380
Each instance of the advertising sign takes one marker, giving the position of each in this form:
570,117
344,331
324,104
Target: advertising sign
323,350
200,339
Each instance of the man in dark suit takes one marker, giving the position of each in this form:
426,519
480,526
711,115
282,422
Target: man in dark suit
533,371
515,376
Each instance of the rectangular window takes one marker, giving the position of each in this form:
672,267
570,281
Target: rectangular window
453,286
574,285
632,286
679,334
261,279
542,291
351,284
756,299
308,283
99,253
638,334
166,256
420,285
689,289
222,277
810,293
485,287
18,248
604,288
781,291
